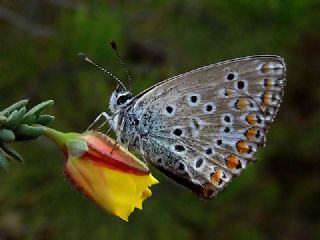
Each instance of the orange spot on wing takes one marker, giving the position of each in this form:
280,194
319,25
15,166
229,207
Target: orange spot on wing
242,104
265,68
267,97
242,147
232,161
251,119
251,133
216,177
228,92
268,83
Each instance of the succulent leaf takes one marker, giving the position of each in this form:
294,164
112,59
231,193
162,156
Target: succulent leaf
15,118
11,152
6,135
31,119
26,132
38,109
15,106
18,124
44,120
3,120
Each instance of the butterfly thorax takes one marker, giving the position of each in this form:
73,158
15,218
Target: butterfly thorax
125,121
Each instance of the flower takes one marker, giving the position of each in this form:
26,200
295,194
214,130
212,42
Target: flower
105,172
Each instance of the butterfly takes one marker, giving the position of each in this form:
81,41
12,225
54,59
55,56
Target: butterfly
203,127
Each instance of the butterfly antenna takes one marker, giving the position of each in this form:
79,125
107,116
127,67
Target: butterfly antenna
87,59
114,46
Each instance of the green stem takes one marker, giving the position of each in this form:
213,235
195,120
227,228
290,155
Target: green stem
58,137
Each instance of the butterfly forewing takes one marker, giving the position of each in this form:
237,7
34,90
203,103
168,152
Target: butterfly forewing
203,127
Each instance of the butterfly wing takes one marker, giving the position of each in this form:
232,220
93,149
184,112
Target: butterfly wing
203,127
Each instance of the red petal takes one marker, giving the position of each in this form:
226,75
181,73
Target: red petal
104,152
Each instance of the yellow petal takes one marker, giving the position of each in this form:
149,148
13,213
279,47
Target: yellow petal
115,191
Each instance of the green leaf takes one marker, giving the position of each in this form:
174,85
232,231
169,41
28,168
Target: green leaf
26,132
11,152
3,161
15,118
6,135
16,106
38,109
45,119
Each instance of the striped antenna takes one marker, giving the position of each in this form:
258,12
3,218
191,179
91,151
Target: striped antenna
87,59
114,46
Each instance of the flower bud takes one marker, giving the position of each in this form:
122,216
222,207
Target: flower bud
105,172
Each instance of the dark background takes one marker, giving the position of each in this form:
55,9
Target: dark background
276,198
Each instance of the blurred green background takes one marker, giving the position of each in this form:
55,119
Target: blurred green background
278,197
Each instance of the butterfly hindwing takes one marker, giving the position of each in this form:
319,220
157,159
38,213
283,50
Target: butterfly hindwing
204,127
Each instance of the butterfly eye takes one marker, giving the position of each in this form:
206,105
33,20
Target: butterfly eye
122,99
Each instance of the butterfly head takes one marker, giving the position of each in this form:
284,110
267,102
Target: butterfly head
119,100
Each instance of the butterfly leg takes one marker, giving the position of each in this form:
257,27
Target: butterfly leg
141,148
107,117
117,129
